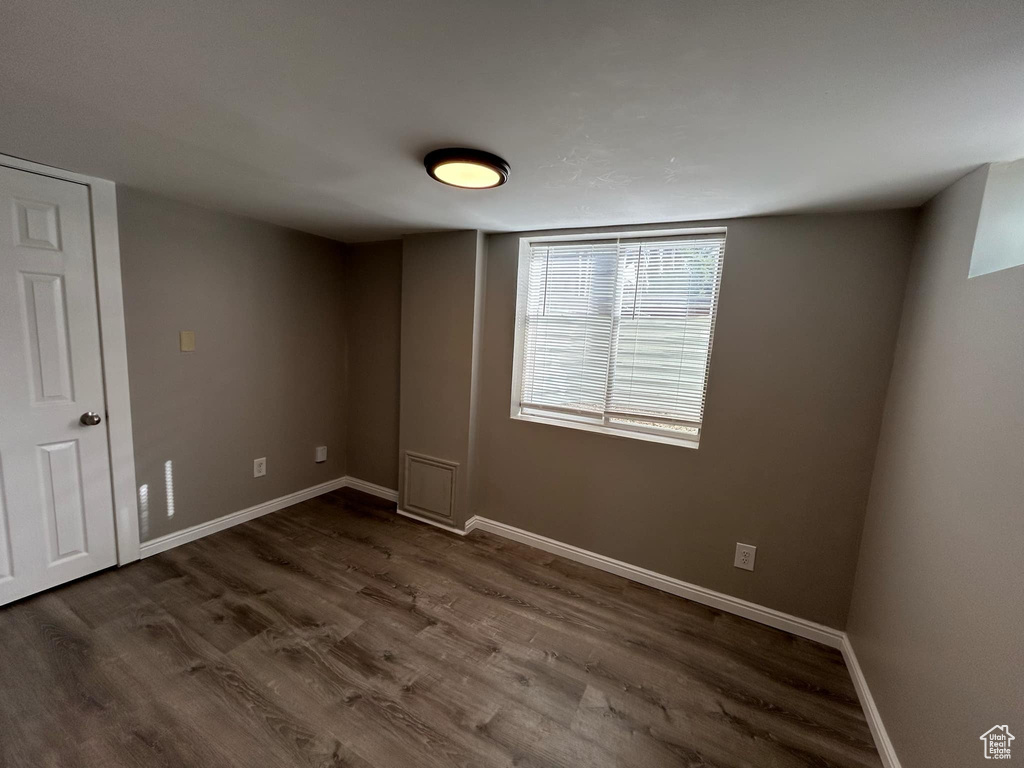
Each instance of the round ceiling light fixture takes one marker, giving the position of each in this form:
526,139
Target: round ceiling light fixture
466,168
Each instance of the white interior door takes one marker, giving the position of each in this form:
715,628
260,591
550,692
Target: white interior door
56,508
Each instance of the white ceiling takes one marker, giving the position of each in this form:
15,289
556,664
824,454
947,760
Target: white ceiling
316,114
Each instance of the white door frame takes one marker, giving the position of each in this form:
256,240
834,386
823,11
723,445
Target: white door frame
113,349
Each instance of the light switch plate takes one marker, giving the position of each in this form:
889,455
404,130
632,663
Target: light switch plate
321,454
187,341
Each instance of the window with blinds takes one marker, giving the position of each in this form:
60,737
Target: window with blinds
615,335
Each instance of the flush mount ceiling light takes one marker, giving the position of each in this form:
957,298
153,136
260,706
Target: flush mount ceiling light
466,168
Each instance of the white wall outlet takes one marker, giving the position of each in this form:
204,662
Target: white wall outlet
321,454
745,554
259,467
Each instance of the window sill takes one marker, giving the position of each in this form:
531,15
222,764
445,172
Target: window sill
630,434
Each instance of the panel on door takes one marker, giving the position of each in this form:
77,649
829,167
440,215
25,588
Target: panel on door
56,507
62,502
45,325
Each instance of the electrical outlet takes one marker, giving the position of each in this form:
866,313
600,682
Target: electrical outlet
745,554
321,454
259,467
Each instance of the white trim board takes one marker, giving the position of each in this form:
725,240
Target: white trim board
723,602
833,638
177,538
115,369
186,535
392,495
829,636
435,523
883,743
371,488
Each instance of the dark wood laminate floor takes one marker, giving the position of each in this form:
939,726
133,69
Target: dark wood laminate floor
335,633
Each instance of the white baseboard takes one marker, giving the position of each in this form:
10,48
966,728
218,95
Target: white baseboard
833,638
721,601
435,523
867,702
372,488
176,539
829,636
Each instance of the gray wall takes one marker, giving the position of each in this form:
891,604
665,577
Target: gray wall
373,307
439,305
802,352
937,611
268,374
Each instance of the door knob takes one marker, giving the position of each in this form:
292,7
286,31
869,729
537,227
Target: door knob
90,419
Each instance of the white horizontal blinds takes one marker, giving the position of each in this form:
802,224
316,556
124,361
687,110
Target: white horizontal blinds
664,323
568,326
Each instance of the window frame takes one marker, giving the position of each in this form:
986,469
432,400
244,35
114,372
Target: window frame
601,425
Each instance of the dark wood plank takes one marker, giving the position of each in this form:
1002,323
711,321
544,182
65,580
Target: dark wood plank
338,633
